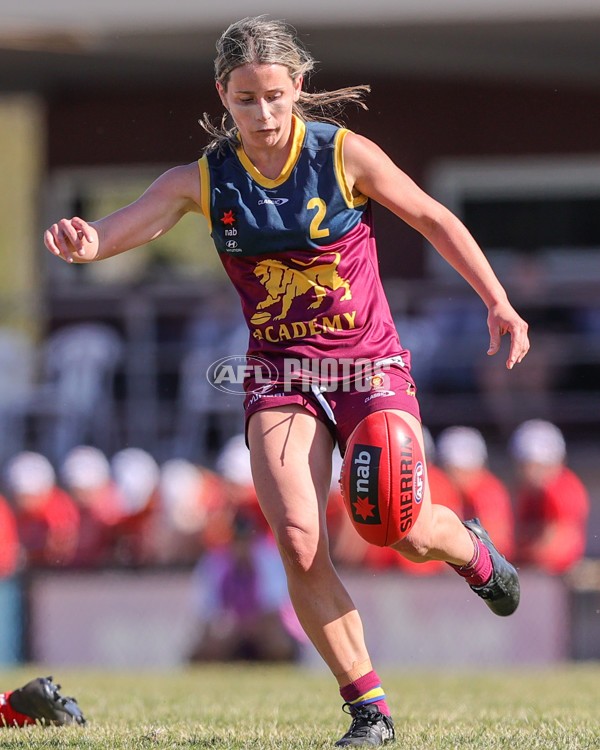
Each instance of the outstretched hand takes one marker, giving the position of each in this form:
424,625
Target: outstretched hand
502,318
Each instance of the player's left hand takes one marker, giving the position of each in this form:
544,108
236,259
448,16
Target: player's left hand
502,318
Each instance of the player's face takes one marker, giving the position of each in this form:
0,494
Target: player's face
260,99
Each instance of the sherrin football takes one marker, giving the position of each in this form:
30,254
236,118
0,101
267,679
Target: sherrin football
383,478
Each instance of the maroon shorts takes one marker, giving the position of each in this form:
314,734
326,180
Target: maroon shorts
343,407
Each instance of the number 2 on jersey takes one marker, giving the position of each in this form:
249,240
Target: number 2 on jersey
315,225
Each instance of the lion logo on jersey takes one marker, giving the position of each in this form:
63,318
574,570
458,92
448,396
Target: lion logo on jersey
284,283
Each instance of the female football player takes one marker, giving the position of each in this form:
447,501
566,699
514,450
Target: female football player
286,192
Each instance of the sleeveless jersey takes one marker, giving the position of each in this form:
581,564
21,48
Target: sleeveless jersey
301,252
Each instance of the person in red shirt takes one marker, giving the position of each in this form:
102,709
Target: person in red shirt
9,540
189,515
136,474
552,503
85,474
234,469
462,453
47,517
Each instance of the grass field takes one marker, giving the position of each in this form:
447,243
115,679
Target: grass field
292,709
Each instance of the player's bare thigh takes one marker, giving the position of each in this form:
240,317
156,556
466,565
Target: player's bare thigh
290,452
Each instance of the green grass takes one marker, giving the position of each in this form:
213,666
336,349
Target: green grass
270,708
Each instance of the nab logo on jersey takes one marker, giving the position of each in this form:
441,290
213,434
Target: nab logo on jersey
364,483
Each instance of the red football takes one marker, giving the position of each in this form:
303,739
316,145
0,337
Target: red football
383,478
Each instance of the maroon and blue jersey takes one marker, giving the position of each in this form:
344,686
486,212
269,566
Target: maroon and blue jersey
300,250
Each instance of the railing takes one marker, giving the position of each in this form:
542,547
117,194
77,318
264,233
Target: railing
457,382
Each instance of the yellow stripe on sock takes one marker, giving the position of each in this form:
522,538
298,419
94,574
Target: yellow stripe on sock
374,694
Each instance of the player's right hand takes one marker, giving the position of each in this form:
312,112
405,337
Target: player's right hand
73,240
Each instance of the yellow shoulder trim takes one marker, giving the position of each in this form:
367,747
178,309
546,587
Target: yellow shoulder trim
298,140
205,189
352,201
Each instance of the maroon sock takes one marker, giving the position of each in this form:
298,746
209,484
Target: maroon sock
478,571
366,690
9,717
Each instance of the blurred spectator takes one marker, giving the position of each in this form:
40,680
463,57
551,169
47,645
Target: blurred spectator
443,490
190,505
47,518
552,504
86,475
241,600
462,453
233,466
136,474
9,540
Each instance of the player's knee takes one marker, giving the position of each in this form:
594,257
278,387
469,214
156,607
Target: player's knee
299,548
416,545
383,478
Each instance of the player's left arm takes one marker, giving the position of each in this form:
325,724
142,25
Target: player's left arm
371,172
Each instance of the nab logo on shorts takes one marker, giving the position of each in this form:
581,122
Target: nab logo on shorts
364,484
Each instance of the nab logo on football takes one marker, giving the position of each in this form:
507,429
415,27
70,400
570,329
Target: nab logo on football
364,483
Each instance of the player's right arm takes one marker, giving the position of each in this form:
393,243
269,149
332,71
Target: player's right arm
171,196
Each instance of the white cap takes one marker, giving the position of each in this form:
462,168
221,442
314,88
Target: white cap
233,462
178,478
30,473
462,448
137,474
538,441
85,467
180,494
